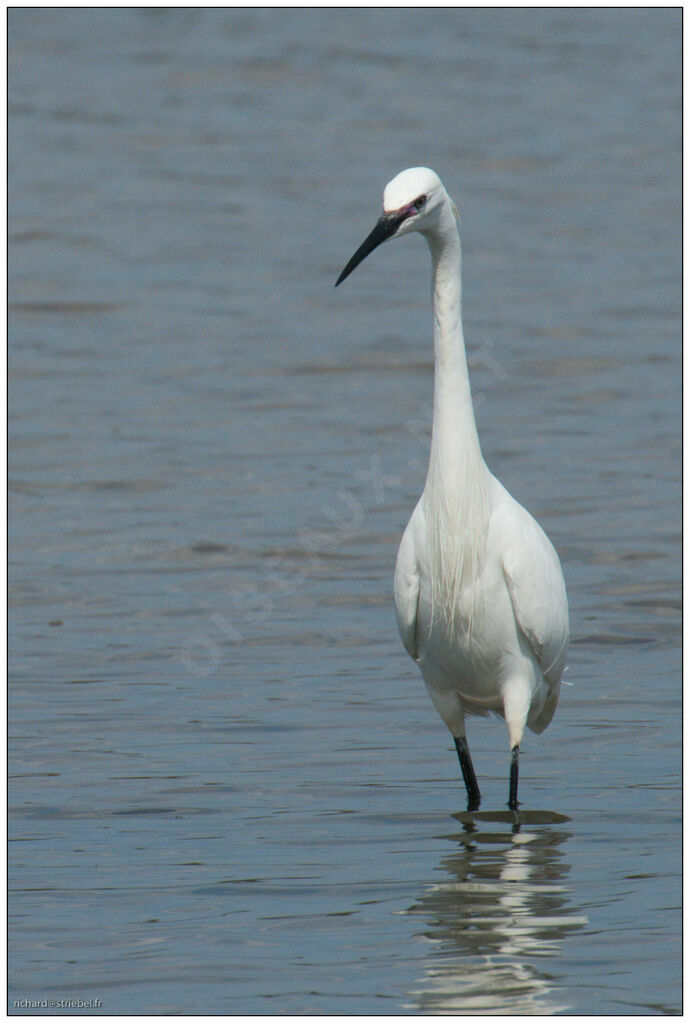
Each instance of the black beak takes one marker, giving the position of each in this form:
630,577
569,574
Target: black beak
385,228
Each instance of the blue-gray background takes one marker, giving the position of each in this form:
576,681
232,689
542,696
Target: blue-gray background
229,791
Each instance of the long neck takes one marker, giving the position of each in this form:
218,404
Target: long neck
456,486
455,442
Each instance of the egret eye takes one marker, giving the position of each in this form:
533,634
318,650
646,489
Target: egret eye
418,203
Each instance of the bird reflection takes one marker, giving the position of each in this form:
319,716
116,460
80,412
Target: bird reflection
499,918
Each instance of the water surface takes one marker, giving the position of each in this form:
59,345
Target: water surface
229,792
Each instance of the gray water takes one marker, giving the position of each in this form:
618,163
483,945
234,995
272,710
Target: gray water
229,791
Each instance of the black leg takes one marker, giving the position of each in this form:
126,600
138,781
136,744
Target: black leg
473,795
513,799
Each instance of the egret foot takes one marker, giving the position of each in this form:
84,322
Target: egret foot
474,797
512,798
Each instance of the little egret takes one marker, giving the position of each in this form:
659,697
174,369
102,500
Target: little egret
479,591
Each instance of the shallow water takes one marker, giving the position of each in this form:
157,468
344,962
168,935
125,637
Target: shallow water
229,791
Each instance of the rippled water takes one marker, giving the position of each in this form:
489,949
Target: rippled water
229,791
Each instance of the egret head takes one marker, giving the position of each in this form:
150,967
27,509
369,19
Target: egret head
412,201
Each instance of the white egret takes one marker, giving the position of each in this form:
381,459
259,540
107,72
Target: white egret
479,591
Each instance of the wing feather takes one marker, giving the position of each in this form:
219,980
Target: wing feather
537,591
406,586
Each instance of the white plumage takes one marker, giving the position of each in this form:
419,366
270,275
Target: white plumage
479,591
